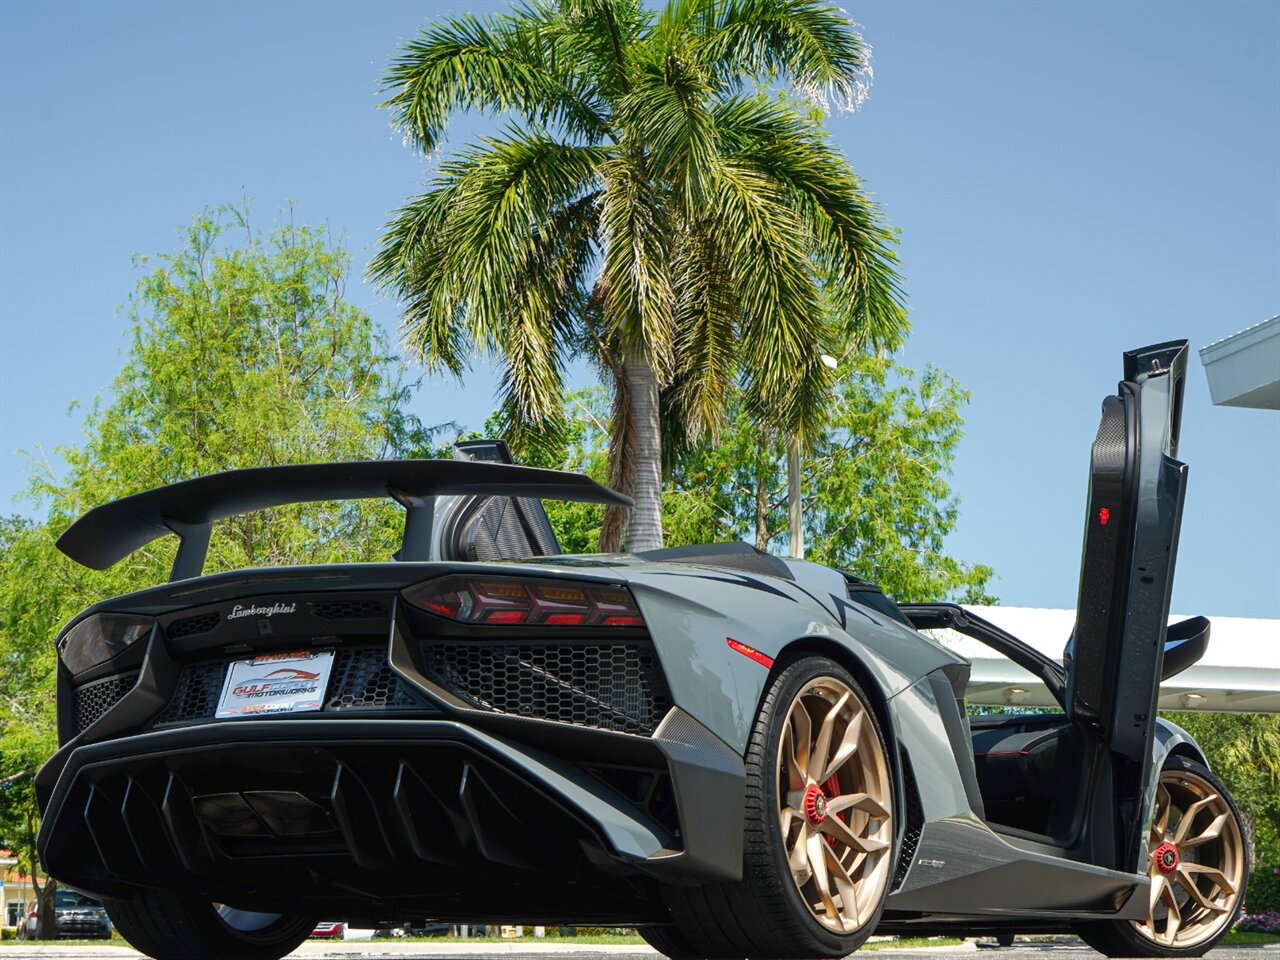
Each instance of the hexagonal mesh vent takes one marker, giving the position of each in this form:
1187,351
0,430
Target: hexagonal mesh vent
192,625
614,686
362,679
196,696
96,698
348,609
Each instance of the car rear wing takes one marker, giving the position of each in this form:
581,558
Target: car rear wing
111,532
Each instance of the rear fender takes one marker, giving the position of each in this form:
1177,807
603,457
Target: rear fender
692,615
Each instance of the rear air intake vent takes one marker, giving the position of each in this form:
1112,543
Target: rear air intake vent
348,609
613,686
190,626
196,697
362,679
96,698
914,823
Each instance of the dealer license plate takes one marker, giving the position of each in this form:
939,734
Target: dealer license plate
276,683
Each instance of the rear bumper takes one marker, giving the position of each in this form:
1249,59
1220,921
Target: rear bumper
373,818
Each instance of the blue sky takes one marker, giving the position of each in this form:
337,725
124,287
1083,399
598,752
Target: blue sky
1071,180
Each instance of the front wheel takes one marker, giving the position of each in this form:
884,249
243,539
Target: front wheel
1198,864
172,926
818,830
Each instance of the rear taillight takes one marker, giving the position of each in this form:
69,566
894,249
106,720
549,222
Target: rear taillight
501,601
97,639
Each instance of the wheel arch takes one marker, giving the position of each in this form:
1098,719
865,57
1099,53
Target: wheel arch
849,659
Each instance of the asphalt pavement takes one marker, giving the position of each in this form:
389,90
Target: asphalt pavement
507,950
1063,949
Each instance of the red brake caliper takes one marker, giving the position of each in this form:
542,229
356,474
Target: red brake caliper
1166,857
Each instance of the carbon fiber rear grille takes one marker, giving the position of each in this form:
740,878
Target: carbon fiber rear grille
348,609
613,686
914,823
361,679
96,698
196,697
189,626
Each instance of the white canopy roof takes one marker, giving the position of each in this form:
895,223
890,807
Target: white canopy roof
1240,671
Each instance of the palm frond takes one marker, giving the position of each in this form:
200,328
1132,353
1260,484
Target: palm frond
497,255
706,334
635,229
810,43
853,249
501,63
783,325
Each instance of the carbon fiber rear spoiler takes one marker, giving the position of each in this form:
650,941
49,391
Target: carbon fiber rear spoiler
111,532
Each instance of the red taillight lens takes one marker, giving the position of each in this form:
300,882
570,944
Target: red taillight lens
527,602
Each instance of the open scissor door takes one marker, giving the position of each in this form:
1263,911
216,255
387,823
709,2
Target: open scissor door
1136,488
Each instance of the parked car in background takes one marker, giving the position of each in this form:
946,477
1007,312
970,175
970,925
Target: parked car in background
78,918
328,930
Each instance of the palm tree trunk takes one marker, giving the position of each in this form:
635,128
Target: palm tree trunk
644,525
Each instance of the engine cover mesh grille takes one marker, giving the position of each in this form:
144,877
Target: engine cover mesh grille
96,698
613,686
362,679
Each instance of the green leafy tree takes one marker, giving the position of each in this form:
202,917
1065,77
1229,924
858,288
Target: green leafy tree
875,491
243,352
877,501
1244,750
663,199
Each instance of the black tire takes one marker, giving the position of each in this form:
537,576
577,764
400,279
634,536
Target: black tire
173,926
1118,938
669,942
763,915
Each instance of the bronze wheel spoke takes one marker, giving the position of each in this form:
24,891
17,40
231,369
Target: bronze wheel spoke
845,887
801,739
795,770
1211,832
1174,921
785,818
798,856
822,746
839,831
1213,873
1188,883
818,864
1160,822
1158,884
858,801
848,746
1189,817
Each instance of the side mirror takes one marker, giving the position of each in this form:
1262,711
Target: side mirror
1184,644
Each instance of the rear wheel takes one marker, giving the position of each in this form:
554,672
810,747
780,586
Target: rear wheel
818,841
1197,863
171,926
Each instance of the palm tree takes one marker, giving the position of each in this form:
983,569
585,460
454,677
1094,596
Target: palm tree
662,198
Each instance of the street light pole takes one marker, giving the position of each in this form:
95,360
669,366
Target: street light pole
794,501
795,504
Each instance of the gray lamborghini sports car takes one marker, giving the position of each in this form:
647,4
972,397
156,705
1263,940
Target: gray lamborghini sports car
741,755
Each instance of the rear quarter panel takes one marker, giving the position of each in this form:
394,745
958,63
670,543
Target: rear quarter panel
692,611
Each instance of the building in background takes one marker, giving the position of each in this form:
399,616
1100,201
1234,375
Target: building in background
1244,369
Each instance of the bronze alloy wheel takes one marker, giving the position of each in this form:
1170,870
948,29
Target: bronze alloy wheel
835,804
1196,862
